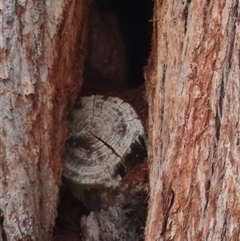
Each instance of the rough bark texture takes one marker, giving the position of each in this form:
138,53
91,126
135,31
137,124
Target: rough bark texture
38,44
194,109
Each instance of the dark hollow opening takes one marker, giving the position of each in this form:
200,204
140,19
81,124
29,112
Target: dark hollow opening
134,17
119,42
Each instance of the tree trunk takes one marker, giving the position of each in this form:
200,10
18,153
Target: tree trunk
38,48
194,128
194,108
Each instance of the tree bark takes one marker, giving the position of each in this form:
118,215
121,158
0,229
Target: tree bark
194,129
36,79
194,108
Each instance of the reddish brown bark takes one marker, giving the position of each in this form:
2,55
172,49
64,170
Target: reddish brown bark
194,110
37,58
194,107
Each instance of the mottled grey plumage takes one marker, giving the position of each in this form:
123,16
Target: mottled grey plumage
105,142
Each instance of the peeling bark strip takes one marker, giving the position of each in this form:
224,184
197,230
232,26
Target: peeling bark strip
35,81
194,110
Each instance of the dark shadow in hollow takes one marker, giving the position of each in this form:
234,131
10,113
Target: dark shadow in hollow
135,16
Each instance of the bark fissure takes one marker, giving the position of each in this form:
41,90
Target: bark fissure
164,77
20,230
233,16
207,190
185,15
162,88
205,12
227,67
219,111
170,202
163,96
224,226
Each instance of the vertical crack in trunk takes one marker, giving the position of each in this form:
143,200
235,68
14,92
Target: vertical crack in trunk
162,106
224,226
233,18
207,188
170,202
227,67
185,15
219,111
